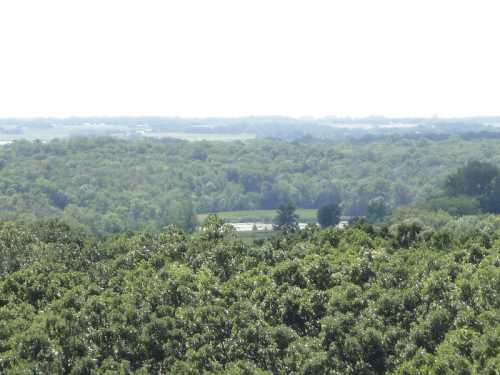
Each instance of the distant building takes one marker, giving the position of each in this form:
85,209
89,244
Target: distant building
266,227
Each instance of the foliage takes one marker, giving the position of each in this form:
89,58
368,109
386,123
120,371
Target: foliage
490,202
329,215
377,210
286,218
107,186
477,181
458,205
362,300
473,179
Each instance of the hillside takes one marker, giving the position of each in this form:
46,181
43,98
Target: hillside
108,186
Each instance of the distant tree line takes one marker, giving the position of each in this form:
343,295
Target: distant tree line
105,186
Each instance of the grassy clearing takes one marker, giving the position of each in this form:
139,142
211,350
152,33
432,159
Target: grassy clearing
266,216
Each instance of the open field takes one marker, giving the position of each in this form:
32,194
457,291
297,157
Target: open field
192,137
266,216
9,133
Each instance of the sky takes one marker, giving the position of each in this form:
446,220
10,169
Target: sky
197,58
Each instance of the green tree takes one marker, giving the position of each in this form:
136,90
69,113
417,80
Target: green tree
458,205
490,202
185,303
214,228
328,215
472,179
286,218
408,233
377,210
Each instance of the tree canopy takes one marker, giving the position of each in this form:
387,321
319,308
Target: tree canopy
106,186
363,300
286,218
473,179
474,186
329,215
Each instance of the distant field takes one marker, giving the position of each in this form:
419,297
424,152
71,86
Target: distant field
61,131
202,136
305,215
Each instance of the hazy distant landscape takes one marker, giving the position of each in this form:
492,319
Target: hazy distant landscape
236,187
228,129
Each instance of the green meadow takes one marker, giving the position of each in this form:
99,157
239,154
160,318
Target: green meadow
266,216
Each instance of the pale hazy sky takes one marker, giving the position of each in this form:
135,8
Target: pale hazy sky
252,57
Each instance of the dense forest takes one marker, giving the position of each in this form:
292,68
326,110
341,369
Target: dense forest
405,299
101,271
104,185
